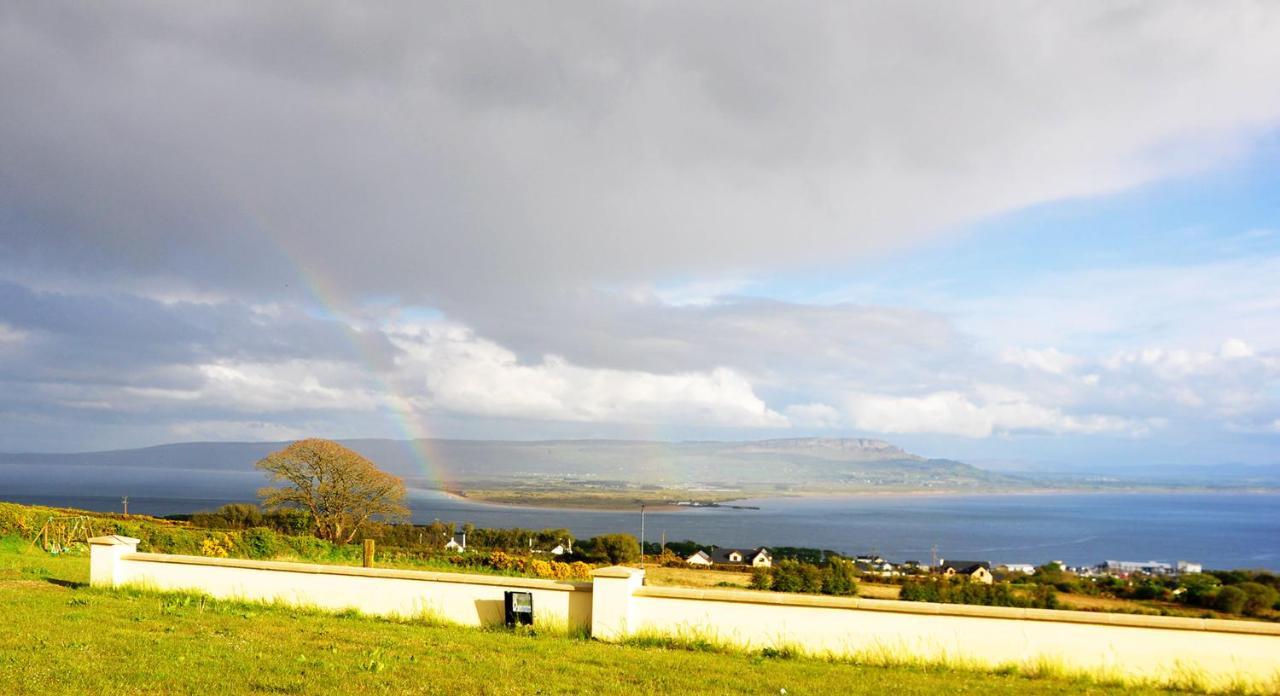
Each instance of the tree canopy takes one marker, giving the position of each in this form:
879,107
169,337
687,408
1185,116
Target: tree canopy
339,487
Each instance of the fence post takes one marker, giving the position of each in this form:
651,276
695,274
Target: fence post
368,552
105,553
611,604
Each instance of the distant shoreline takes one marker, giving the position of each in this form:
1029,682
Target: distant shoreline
620,504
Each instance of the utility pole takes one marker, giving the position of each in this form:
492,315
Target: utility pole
641,535
125,502
934,562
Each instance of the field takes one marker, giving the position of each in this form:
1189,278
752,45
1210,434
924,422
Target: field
59,637
695,577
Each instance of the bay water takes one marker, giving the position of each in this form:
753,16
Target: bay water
1219,530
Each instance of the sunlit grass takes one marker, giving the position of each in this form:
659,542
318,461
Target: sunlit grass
60,637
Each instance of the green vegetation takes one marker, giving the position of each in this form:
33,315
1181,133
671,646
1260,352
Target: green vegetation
232,532
1248,593
59,637
960,590
836,577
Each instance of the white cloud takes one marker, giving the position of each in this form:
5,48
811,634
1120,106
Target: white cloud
10,336
996,410
277,387
1049,360
945,413
464,374
1235,348
821,416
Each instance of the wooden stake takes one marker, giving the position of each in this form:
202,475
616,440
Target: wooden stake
368,552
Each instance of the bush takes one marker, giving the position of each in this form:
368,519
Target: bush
1198,588
611,548
1258,598
260,542
761,579
838,579
1230,600
218,546
962,591
1148,590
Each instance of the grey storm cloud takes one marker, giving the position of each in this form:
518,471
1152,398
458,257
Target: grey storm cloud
442,152
182,185
112,338
757,334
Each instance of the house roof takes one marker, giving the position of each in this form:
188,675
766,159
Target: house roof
965,567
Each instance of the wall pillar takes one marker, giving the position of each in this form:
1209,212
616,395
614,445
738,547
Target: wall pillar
105,553
612,589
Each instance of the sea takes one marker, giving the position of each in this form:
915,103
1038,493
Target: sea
1218,530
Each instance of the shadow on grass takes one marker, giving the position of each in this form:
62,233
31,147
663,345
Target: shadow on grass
70,584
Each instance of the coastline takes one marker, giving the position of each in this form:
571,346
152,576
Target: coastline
748,497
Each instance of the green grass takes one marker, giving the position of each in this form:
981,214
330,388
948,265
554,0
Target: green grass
59,637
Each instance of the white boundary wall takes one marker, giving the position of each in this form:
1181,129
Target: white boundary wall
617,604
466,599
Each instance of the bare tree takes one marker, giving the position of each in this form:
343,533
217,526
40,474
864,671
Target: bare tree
340,488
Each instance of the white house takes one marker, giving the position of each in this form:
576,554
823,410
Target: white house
457,543
756,558
699,558
1024,568
977,571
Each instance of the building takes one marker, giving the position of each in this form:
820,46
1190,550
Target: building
457,543
1122,568
1024,568
562,549
699,558
1186,567
872,563
977,571
756,558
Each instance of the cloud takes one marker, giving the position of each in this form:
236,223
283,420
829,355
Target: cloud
1049,360
1000,411
215,213
448,155
465,374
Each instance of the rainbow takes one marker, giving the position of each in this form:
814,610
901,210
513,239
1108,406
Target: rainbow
404,418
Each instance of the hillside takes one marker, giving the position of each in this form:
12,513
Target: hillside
702,470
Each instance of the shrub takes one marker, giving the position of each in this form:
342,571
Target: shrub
761,579
1258,598
611,548
540,569
1230,600
230,516
260,542
962,591
218,546
1148,590
838,579
1198,588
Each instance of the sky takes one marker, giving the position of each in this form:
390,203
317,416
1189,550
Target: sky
1010,233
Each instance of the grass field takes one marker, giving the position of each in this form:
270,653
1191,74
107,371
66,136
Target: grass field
59,637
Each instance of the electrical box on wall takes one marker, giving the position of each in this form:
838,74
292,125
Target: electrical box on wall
519,608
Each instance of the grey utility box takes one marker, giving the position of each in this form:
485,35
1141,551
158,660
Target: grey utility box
519,608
